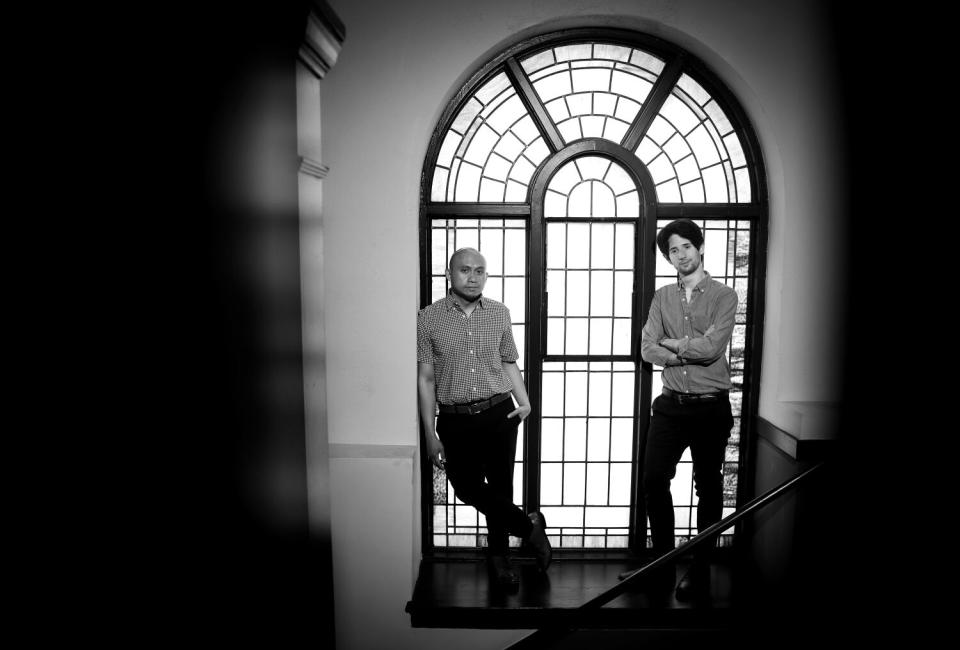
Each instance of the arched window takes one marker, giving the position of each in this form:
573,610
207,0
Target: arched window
559,160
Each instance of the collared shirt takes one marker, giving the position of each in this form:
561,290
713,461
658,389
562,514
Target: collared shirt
705,368
467,352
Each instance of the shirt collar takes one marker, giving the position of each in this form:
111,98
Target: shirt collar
452,301
701,286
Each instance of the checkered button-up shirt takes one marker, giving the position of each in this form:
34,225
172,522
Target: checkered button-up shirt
467,352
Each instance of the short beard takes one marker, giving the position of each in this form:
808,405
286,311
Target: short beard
691,271
468,299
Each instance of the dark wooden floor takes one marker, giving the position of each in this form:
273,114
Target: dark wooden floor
459,593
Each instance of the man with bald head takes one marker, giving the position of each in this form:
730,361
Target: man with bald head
466,373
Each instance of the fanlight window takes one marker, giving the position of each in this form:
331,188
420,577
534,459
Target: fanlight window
593,90
491,149
693,152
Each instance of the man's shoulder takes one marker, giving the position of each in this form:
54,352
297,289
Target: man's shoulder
436,306
495,305
665,290
721,288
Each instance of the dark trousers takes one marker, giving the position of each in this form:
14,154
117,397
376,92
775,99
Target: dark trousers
480,451
705,428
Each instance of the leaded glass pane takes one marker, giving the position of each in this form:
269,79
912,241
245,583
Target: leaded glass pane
490,137
669,191
621,336
597,483
621,439
577,333
710,147
601,293
620,483
601,245
551,484
607,517
581,258
586,478
592,89
574,483
598,439
559,517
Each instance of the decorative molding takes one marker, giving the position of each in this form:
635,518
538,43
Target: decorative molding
313,168
339,450
800,449
322,39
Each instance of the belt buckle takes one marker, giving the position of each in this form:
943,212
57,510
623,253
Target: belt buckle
473,409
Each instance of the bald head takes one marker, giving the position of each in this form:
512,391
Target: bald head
467,273
460,253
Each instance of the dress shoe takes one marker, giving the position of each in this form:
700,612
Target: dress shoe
503,572
538,540
695,583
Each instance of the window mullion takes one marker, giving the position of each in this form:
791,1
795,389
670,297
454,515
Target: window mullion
535,347
477,209
530,99
658,95
708,211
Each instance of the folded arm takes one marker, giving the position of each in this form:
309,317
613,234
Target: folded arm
651,349
712,345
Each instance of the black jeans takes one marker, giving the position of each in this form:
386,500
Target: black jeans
480,451
705,428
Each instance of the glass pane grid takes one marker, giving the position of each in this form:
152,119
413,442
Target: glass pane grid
491,149
587,407
586,452
692,150
589,265
591,187
593,89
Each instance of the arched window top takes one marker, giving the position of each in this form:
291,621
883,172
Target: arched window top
591,187
658,102
491,150
692,150
592,89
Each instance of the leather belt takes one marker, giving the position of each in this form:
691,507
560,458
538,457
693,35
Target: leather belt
474,407
688,398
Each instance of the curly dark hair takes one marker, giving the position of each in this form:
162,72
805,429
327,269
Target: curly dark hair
683,227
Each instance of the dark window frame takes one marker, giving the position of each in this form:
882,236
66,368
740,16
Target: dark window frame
677,61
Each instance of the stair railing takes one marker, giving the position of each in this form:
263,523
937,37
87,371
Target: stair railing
542,637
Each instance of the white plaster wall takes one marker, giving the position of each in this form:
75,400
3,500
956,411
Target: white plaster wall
400,64
372,567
